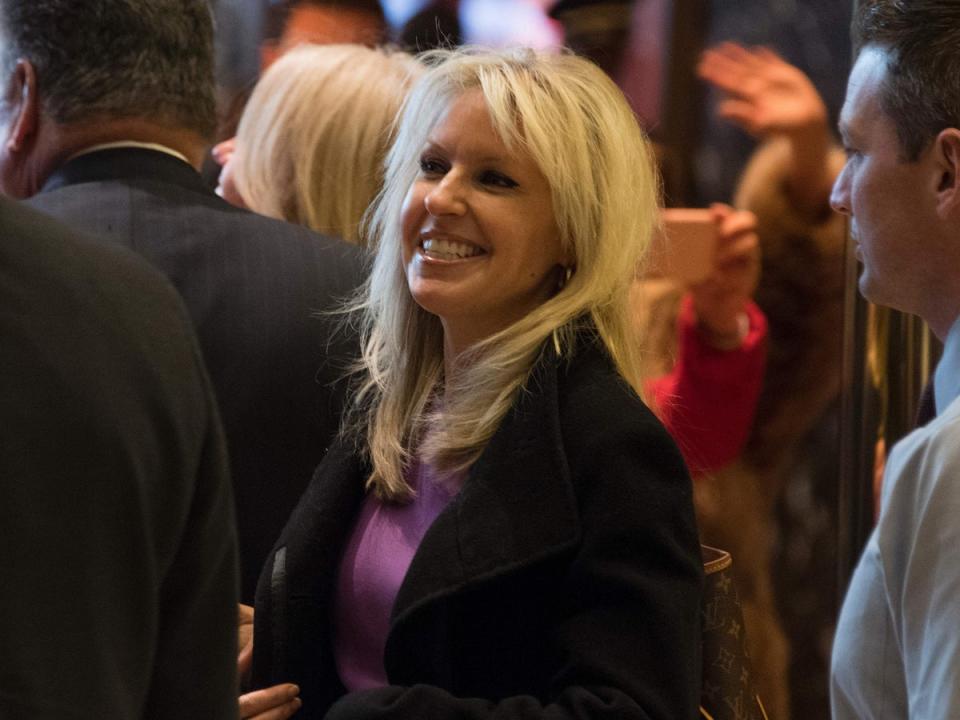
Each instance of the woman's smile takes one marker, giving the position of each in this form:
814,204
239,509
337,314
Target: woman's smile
436,246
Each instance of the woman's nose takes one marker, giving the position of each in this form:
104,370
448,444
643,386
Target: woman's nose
446,197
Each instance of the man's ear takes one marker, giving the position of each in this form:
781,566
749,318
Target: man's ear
947,156
23,108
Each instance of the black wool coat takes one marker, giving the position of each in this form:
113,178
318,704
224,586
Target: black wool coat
563,581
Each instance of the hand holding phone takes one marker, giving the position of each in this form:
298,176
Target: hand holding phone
720,300
684,250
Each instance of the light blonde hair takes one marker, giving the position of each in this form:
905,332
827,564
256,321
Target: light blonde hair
577,127
312,138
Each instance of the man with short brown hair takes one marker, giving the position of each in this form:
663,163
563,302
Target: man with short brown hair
897,647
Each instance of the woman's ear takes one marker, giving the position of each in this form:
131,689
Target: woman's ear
947,156
564,273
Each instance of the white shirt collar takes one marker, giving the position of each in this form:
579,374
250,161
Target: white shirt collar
946,379
131,144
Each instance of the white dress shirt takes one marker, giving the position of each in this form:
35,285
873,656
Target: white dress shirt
896,653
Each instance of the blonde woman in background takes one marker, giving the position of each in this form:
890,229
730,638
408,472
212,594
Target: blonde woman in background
310,145
505,530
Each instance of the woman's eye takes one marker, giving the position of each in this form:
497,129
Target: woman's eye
431,166
497,179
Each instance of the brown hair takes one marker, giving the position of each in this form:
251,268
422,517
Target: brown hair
921,38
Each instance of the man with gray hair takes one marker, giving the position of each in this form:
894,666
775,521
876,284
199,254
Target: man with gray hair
897,647
107,109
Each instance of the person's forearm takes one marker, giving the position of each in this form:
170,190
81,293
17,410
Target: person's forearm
809,178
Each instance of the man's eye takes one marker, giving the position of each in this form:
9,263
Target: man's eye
497,179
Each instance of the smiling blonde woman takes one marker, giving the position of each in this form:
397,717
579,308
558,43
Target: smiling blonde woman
506,530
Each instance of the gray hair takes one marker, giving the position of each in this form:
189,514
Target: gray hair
98,59
921,38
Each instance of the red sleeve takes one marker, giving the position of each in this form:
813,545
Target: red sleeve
709,399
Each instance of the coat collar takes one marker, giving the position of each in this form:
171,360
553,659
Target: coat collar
946,378
125,163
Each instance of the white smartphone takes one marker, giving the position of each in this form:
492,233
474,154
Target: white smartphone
685,249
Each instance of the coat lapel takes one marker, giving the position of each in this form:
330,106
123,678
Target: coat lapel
300,592
320,525
516,507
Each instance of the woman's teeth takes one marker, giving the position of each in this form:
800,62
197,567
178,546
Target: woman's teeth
449,249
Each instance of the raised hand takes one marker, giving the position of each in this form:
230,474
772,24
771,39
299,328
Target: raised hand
766,95
762,92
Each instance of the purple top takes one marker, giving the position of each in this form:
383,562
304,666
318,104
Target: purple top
378,553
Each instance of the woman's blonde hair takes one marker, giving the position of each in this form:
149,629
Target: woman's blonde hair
577,127
312,138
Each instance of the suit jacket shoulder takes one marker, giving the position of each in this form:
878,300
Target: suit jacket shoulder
119,543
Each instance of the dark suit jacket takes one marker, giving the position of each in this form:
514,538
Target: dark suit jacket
251,285
563,581
117,542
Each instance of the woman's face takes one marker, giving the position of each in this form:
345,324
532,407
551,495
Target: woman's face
480,244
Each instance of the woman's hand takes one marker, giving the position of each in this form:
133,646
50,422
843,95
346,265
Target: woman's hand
244,642
225,154
720,301
272,703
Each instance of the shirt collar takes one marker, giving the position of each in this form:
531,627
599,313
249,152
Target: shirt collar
946,379
131,144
